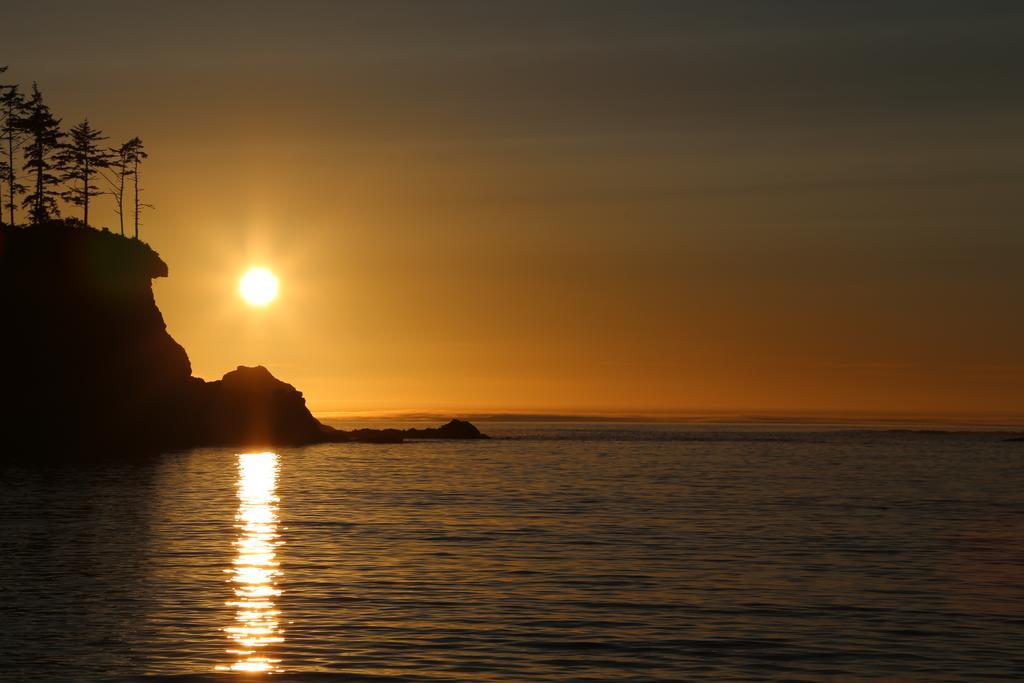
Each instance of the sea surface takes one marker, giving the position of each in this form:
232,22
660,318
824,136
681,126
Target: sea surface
555,552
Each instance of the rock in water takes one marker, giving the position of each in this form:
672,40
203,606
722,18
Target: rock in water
251,406
455,429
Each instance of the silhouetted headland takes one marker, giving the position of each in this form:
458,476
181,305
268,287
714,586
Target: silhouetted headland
89,365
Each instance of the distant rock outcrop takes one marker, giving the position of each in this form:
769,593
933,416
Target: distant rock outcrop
88,365
455,429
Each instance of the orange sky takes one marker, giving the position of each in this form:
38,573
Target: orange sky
574,207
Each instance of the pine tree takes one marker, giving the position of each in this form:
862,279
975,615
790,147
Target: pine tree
43,143
116,179
136,155
120,171
80,161
12,108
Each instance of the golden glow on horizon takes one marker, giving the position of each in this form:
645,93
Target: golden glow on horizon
258,286
255,569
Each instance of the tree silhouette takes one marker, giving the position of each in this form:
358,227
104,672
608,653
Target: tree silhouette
44,142
121,165
136,155
12,108
80,161
4,174
50,157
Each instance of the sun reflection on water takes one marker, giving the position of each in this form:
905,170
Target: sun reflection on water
255,570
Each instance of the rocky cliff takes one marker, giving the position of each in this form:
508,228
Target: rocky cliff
88,365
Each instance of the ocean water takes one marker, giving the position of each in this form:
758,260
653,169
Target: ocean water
557,552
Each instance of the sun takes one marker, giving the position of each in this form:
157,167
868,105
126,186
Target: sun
258,286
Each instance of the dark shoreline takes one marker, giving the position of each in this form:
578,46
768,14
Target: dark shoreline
84,339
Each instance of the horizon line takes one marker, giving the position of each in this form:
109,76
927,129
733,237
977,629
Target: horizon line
767,417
